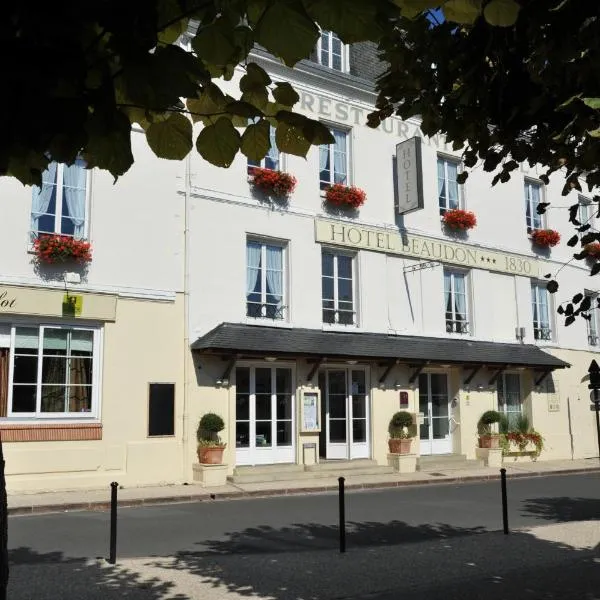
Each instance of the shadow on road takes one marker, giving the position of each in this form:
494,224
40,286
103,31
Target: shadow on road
563,509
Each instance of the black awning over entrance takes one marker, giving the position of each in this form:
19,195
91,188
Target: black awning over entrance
258,340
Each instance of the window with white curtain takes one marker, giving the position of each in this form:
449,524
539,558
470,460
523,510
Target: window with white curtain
265,288
540,304
332,52
334,159
53,371
510,402
272,160
338,288
449,191
533,196
585,214
592,324
456,301
60,205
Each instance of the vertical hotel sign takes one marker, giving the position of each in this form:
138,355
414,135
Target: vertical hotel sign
409,175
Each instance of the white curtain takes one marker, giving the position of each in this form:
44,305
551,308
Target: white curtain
441,183
452,169
448,295
534,304
253,252
339,156
460,298
272,158
275,273
74,189
535,200
544,315
42,196
324,168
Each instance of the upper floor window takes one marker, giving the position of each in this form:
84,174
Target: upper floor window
265,290
332,52
592,324
53,372
533,197
272,160
510,401
334,160
448,187
455,297
540,302
585,214
60,205
338,288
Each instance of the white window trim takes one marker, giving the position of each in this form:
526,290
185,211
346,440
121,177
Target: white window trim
502,407
38,416
593,337
348,132
541,286
528,181
588,203
461,188
468,301
354,257
345,54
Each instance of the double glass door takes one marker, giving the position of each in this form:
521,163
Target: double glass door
345,408
264,418
434,405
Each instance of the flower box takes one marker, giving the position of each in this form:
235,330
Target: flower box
545,238
273,183
345,196
516,443
459,219
52,249
592,250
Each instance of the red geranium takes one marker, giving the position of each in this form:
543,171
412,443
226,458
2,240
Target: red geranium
592,249
345,196
52,249
545,237
460,219
276,183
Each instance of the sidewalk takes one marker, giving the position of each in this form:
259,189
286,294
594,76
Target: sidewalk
99,499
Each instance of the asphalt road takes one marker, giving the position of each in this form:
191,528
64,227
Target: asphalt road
302,523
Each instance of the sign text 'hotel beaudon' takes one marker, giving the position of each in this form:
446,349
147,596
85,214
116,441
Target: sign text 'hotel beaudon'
422,248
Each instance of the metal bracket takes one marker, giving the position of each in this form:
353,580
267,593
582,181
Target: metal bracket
228,369
416,372
389,367
496,375
472,374
543,376
428,264
317,364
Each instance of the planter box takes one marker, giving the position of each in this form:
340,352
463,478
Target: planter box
210,475
403,463
399,445
489,441
492,457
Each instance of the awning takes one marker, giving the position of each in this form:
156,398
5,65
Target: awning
257,340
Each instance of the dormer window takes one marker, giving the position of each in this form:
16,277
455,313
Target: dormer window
332,52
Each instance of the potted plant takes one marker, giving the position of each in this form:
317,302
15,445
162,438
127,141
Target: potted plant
459,219
210,446
545,238
345,196
56,248
273,183
401,430
488,438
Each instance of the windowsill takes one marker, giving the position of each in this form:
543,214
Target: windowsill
268,322
339,327
36,431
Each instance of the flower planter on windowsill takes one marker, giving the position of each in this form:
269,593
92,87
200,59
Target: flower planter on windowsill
272,183
459,220
545,238
55,249
345,196
592,251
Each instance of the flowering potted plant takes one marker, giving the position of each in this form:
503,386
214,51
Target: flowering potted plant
56,248
274,183
459,219
401,430
345,196
210,446
545,238
592,250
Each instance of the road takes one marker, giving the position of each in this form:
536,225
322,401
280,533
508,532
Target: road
422,542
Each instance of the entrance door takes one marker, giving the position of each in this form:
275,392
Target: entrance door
264,418
346,413
434,403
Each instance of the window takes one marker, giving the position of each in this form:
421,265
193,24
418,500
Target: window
338,288
272,160
592,324
53,372
448,188
533,195
509,398
331,52
265,280
161,409
455,297
59,206
541,314
585,214
333,160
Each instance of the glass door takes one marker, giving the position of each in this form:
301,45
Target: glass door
434,404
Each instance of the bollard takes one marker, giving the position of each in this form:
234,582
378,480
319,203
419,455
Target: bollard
342,515
504,502
112,558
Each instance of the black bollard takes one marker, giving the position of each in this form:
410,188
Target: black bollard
342,515
504,501
112,559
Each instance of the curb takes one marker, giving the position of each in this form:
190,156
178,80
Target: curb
102,506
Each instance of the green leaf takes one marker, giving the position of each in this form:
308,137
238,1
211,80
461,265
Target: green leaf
552,286
462,11
316,133
214,43
285,94
291,140
595,269
501,13
219,143
171,139
592,102
286,31
167,12
352,20
255,10
595,133
413,8
256,95
243,109
211,102
256,74
256,140
569,101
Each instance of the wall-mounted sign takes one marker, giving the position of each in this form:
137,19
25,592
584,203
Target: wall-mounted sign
72,305
403,399
409,176
310,412
6,301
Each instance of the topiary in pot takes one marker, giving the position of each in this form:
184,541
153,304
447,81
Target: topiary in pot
401,430
210,446
488,438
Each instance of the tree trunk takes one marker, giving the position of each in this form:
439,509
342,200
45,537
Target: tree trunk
3,528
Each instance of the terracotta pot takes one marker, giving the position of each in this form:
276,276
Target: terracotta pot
210,455
489,441
399,446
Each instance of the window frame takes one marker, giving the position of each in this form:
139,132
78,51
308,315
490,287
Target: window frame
345,52
502,408
467,294
550,335
590,216
38,415
335,277
285,309
323,185
593,325
530,224
461,193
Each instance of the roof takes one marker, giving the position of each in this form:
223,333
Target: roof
232,338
